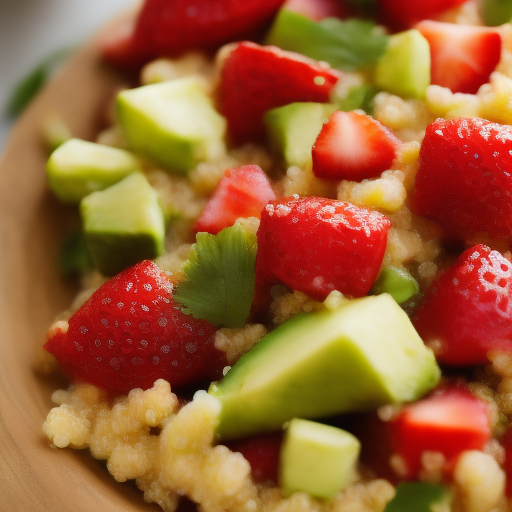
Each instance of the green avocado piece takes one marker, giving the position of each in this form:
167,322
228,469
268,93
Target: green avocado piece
123,224
358,357
317,459
398,282
419,497
496,12
78,168
173,123
404,69
293,129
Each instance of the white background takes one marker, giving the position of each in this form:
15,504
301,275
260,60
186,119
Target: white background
30,30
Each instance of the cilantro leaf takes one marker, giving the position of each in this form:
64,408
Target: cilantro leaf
347,45
74,258
417,496
220,274
358,98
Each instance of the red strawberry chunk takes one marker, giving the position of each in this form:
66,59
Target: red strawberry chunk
262,452
449,422
242,192
467,311
256,78
120,48
507,445
405,13
353,146
131,333
172,27
317,10
463,56
464,179
317,245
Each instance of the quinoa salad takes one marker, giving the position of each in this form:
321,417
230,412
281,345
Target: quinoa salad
295,266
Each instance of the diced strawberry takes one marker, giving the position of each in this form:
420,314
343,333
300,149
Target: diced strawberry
256,78
405,13
450,422
131,333
242,192
353,146
172,27
262,452
462,56
506,442
317,245
318,9
120,48
464,180
467,311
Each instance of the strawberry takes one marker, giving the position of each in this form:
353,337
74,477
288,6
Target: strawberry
353,146
468,310
131,333
464,179
172,27
450,421
242,192
462,56
317,245
262,452
256,78
405,13
506,442
317,10
120,48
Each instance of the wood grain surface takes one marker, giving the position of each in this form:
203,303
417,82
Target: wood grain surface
33,476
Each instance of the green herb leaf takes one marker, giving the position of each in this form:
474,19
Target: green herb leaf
417,497
74,258
358,98
220,274
347,45
32,83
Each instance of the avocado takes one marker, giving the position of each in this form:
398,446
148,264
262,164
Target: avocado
317,459
173,123
123,224
404,69
398,282
293,129
496,12
77,168
358,357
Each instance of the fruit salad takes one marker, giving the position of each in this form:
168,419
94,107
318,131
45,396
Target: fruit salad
295,258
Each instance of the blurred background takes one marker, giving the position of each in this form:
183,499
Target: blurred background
33,30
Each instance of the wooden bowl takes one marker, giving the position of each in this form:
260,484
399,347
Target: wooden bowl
33,476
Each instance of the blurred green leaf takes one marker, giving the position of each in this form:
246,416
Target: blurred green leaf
23,93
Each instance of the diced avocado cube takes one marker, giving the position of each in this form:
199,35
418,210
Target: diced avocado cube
317,459
123,224
358,357
173,123
404,69
398,282
293,129
496,12
420,497
78,168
